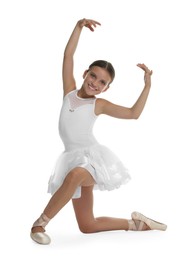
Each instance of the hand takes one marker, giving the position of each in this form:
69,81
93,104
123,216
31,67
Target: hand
147,73
88,23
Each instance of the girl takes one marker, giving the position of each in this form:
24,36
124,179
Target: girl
85,164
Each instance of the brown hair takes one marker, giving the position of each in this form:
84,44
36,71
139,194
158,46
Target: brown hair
106,65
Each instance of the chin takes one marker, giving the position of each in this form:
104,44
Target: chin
91,92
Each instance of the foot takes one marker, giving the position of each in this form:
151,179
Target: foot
152,224
39,236
38,230
137,225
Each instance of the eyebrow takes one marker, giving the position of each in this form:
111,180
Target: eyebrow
91,72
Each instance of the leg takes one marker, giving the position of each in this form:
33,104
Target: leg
88,223
77,177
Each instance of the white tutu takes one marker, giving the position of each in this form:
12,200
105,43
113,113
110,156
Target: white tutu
105,167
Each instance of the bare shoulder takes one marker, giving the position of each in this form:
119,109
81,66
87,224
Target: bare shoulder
100,105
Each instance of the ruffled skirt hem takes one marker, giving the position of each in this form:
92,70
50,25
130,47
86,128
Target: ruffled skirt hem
105,167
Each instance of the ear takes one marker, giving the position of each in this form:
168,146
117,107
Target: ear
85,73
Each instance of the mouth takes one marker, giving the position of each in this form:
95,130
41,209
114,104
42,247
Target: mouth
92,88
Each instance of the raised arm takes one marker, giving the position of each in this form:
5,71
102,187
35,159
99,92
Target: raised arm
68,60
105,107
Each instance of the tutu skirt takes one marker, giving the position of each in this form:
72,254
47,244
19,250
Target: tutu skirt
105,167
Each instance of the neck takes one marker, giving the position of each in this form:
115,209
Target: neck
82,94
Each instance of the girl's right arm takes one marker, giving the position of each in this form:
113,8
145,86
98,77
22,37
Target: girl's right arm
68,61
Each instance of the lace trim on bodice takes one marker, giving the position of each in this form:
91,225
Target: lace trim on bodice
76,101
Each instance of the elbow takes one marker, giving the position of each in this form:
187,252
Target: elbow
134,115
68,54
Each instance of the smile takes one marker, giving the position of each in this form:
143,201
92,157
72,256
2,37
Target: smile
92,88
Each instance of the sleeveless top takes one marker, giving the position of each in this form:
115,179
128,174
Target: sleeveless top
76,121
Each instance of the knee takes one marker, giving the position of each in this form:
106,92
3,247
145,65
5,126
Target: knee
75,176
87,227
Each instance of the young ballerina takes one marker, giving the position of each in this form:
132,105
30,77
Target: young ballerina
85,164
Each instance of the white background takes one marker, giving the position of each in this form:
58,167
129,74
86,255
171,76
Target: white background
154,148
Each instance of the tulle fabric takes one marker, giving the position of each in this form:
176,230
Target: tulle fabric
106,168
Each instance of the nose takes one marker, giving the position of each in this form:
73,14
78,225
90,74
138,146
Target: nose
94,84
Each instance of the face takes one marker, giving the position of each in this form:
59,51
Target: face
96,81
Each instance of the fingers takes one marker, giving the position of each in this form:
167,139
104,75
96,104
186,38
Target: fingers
145,68
91,24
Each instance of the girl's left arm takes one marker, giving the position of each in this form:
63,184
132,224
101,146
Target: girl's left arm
105,107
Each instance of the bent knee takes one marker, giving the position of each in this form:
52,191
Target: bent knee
75,176
87,229
80,176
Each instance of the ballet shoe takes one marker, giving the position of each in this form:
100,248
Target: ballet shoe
152,224
134,227
41,238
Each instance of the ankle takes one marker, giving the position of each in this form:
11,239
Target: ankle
131,225
37,229
42,221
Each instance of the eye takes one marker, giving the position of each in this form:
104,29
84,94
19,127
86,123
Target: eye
103,82
92,75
